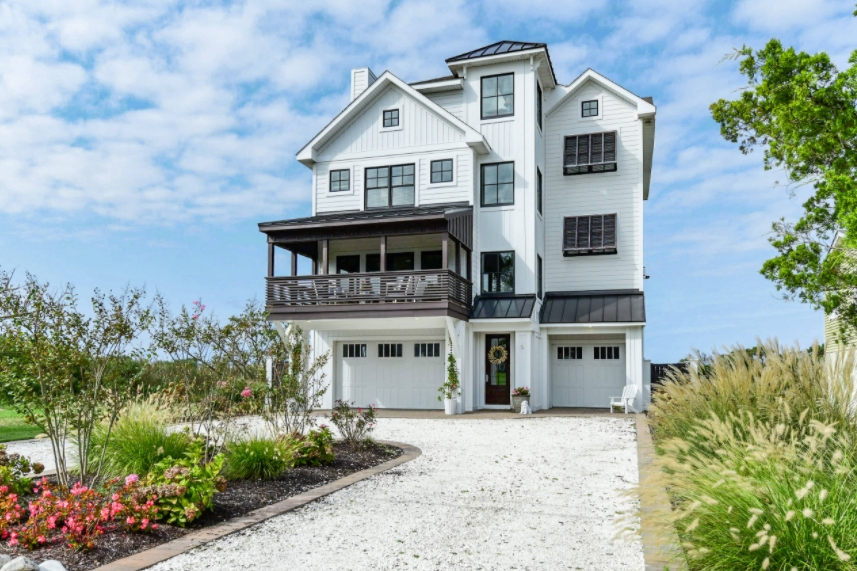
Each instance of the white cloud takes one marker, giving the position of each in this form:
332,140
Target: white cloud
777,16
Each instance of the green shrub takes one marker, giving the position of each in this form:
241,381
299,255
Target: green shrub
257,458
185,487
354,424
313,449
138,440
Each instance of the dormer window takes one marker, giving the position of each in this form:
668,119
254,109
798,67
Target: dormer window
589,108
340,180
498,96
391,118
591,153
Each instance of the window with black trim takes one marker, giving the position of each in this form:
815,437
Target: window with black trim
539,278
431,260
354,349
584,235
441,171
498,272
400,261
592,153
390,186
498,95
389,349
569,353
539,104
589,108
391,118
498,184
426,349
539,189
340,180
606,352
348,264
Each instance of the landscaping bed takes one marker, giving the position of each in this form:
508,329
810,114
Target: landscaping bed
239,498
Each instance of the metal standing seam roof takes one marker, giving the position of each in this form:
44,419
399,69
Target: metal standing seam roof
367,215
622,306
504,47
503,307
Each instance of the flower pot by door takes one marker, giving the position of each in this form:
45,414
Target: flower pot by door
450,406
516,402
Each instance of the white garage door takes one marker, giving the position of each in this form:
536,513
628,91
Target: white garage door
587,374
390,374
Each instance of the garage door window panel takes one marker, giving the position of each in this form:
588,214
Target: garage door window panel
609,352
389,350
426,349
350,350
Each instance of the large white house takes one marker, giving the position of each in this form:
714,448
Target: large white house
494,207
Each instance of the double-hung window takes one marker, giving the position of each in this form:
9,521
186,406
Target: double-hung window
390,186
539,278
340,180
498,184
539,104
391,118
498,96
498,272
592,153
539,189
589,235
441,171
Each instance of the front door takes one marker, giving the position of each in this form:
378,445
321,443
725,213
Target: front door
498,369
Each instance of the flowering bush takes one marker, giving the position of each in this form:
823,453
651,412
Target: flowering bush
354,424
10,511
314,449
521,392
14,469
185,488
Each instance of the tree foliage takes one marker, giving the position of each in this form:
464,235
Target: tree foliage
802,111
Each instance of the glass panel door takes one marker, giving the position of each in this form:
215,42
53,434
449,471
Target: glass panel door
498,369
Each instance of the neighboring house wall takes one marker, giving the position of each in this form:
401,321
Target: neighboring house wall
619,192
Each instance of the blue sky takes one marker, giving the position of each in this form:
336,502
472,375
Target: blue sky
141,142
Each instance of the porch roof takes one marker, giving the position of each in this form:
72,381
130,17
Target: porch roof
503,306
608,306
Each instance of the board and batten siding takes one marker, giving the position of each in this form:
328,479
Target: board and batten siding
618,192
452,101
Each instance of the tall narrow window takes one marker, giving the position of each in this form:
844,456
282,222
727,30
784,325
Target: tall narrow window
498,184
441,171
391,118
539,190
498,95
539,104
390,186
498,272
539,278
589,235
591,153
340,180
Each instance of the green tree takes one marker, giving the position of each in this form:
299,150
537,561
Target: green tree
802,111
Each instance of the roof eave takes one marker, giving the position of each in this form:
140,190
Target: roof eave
454,66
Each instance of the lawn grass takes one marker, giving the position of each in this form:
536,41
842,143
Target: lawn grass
13,427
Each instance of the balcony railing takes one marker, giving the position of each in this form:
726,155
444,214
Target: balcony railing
385,288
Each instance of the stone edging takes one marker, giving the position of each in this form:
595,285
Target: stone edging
145,559
659,554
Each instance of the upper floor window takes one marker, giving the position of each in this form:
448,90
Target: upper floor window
390,186
539,278
498,95
498,272
348,264
498,184
539,189
539,104
591,153
589,235
340,180
441,171
391,118
589,108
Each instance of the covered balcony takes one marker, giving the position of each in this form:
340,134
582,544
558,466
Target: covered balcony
404,262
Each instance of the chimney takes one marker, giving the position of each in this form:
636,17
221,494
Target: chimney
361,79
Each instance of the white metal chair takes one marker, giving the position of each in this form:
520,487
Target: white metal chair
629,393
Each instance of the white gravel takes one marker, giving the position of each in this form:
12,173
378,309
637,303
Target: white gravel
546,493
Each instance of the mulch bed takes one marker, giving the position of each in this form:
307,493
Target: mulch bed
240,497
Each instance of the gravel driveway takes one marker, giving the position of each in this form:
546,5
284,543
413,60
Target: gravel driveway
529,494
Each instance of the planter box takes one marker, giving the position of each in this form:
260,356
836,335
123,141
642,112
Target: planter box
516,402
450,406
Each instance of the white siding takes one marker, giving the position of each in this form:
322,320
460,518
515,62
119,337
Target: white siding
620,192
450,100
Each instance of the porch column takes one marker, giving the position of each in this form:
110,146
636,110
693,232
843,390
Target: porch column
324,264
634,363
294,263
444,257
468,267
458,257
383,253
270,260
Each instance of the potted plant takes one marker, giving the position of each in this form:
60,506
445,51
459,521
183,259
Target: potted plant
451,388
519,395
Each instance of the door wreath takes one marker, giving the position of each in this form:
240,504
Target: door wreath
497,355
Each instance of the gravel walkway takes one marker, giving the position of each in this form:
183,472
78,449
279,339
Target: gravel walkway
526,494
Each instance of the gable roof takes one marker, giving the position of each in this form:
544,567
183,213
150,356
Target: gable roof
506,50
646,111
475,139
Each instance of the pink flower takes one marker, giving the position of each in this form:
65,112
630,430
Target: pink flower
246,392
115,497
13,541
131,478
130,520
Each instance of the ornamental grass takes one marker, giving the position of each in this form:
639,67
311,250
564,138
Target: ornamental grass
258,458
758,454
